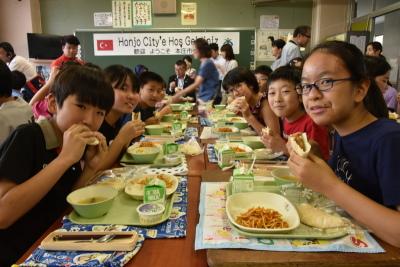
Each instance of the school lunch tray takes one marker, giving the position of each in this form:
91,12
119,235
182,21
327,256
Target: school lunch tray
123,211
301,232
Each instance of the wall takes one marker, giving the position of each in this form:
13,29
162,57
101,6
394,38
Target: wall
64,17
16,19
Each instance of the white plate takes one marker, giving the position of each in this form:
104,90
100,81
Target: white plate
135,186
239,203
234,145
234,130
265,153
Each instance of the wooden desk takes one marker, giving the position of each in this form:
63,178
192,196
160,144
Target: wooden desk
180,252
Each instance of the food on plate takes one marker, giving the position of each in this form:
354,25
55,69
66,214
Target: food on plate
318,218
300,144
136,116
93,141
259,217
237,149
146,179
147,144
225,130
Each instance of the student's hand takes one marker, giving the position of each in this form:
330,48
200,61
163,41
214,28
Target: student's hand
130,130
74,143
313,172
274,142
95,155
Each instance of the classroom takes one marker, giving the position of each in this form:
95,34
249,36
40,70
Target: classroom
199,133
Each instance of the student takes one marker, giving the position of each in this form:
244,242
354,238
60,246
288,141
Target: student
40,162
18,83
207,79
254,107
379,70
70,45
286,103
277,46
126,98
219,63
374,49
152,91
180,80
262,73
139,69
301,37
15,62
363,176
191,72
14,111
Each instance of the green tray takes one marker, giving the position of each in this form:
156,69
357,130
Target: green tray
123,211
157,163
301,232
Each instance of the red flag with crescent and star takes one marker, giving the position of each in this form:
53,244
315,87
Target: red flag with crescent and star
105,45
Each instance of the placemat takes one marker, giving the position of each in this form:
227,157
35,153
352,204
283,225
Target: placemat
214,231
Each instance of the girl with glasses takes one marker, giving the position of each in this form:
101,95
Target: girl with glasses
363,173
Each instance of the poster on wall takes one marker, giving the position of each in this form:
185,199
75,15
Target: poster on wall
122,14
158,44
102,19
189,13
265,39
269,22
142,13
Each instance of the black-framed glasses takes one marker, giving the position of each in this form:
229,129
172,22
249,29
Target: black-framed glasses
322,85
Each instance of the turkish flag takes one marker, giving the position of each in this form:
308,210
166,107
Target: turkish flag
105,45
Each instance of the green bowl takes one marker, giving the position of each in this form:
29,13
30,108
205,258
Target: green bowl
238,122
155,129
143,155
219,107
92,201
283,176
230,114
253,141
176,107
168,118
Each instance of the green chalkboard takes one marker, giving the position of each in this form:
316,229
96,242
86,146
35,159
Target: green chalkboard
164,65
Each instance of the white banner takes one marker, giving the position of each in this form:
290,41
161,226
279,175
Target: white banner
156,44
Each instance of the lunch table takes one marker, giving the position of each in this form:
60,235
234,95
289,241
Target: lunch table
180,251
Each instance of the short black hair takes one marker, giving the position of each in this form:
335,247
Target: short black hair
376,46
227,48
18,80
263,69
8,48
214,46
239,75
181,62
376,66
150,76
88,84
5,80
279,43
117,74
188,58
303,30
203,47
285,73
70,39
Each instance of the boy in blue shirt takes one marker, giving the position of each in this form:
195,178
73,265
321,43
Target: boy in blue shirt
40,163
